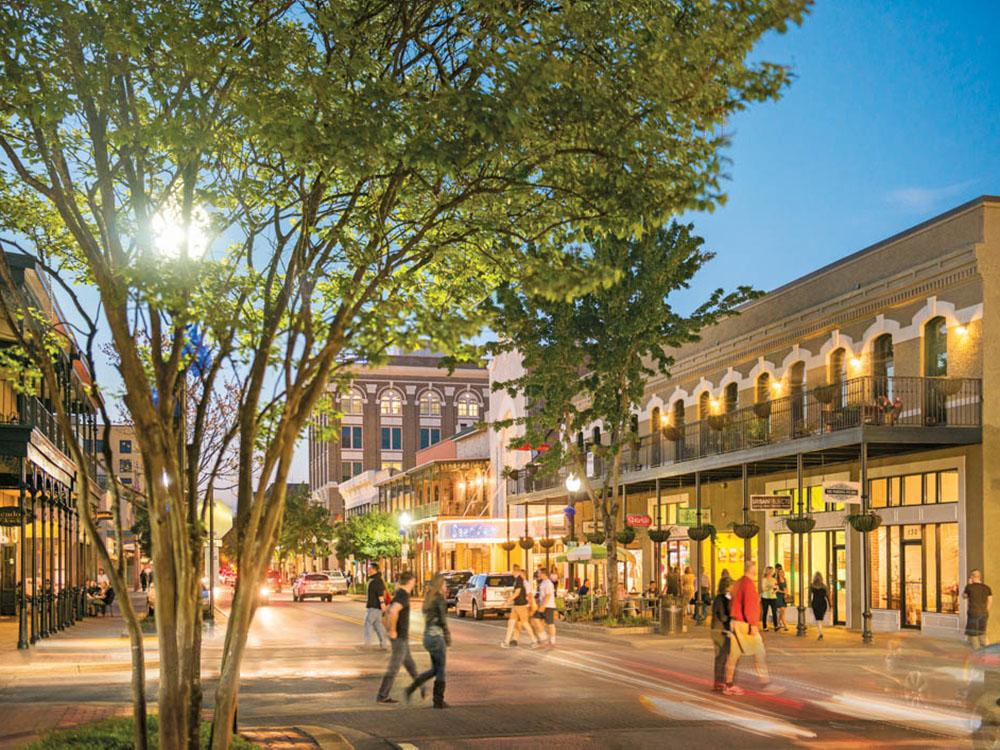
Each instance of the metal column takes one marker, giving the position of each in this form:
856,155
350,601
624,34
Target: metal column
33,492
866,563
699,615
746,516
22,597
800,627
43,593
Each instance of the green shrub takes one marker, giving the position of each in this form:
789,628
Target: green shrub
114,734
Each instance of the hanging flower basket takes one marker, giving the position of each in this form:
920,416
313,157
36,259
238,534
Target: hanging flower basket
762,409
658,536
800,524
825,393
509,472
507,546
701,533
547,543
949,386
595,537
526,542
865,522
673,434
569,539
746,530
626,535
717,421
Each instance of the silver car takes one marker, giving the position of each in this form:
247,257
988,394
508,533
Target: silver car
339,581
316,585
485,592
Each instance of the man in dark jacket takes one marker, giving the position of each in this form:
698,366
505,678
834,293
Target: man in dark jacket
374,607
721,635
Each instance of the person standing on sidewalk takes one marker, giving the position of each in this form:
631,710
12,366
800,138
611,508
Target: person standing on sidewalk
399,636
687,590
437,639
721,635
745,626
819,601
980,600
781,596
769,599
547,604
518,619
374,607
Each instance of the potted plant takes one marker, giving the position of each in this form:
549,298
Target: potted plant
865,522
800,524
508,545
626,535
747,530
547,543
526,542
717,421
702,532
825,393
595,537
762,409
949,386
673,434
509,472
658,536
569,539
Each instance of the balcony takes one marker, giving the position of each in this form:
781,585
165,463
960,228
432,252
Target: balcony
886,406
30,412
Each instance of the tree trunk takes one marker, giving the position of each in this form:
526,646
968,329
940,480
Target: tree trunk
610,518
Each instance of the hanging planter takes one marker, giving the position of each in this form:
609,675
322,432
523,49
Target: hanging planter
949,386
509,472
626,536
701,533
595,537
673,434
658,536
547,543
762,409
717,422
526,542
569,539
865,522
800,524
746,530
507,546
825,393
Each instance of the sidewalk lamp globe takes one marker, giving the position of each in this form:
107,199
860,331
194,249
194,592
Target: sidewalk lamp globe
572,483
405,519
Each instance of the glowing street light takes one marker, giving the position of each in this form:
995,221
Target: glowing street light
405,519
572,483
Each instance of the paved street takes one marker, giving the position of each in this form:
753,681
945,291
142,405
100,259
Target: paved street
305,667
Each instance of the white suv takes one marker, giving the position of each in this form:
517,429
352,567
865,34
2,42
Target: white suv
339,581
317,585
485,592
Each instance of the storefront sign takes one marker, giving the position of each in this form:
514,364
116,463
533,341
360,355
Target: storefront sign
770,502
842,492
494,530
689,516
642,521
104,515
10,515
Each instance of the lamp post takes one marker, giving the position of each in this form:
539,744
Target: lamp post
572,484
405,519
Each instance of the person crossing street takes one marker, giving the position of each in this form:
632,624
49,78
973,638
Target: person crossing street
519,618
374,607
437,639
399,637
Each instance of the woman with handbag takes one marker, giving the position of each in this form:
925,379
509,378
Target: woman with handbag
437,638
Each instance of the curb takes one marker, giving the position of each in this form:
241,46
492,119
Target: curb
327,738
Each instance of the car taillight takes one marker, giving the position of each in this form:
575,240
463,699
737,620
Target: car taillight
484,593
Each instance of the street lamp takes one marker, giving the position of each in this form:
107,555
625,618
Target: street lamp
572,483
405,519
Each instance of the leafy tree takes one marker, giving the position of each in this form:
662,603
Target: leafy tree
371,536
588,359
303,522
377,170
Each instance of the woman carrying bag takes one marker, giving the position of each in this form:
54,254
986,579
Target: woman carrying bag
437,638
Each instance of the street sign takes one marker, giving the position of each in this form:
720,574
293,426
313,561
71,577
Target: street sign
689,516
104,515
770,502
639,520
10,516
842,492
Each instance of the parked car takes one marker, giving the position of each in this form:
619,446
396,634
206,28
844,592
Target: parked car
206,601
485,592
318,585
339,581
273,580
455,581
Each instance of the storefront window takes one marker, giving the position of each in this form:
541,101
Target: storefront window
949,487
914,489
915,570
949,567
880,588
879,493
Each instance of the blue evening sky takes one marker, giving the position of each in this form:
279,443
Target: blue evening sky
894,117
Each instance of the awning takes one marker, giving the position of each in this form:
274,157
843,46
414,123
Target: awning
585,553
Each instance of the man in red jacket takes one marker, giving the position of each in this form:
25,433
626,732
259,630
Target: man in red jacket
745,627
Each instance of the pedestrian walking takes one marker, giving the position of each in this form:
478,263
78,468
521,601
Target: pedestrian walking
143,579
819,601
979,599
781,596
398,626
721,634
745,626
687,589
519,617
437,639
374,606
547,605
769,599
674,581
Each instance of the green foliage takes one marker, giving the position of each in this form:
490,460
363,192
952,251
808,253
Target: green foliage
304,521
371,536
115,734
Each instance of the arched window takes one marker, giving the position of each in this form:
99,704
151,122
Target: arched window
390,403
882,366
838,366
430,404
654,421
579,441
731,397
704,405
763,392
351,403
595,435
678,412
936,347
468,405
633,424
797,395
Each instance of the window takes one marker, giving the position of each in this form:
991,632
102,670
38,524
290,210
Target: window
352,403
392,438
678,413
763,392
390,403
349,470
350,437
704,405
936,347
915,570
838,376
430,404
395,465
797,395
127,480
883,366
731,397
429,436
654,421
124,446
124,464
468,406
925,488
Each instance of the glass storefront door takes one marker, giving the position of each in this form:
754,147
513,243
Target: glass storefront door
8,579
839,580
913,591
